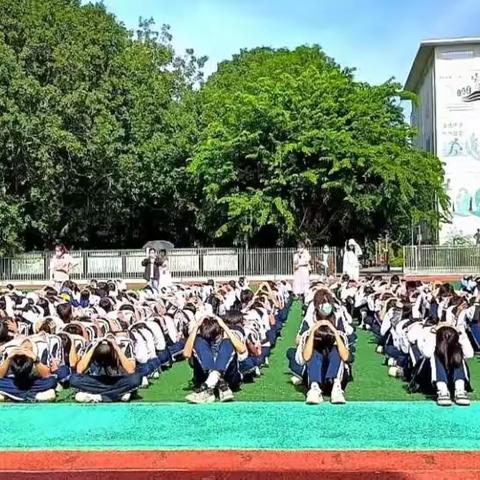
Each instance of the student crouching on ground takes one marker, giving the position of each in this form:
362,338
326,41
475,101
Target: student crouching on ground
104,373
214,350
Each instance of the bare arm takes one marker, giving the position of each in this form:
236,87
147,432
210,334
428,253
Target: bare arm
188,348
308,348
128,364
42,370
84,362
342,349
238,345
4,366
72,356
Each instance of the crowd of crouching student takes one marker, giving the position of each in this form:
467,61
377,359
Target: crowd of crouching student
106,342
426,331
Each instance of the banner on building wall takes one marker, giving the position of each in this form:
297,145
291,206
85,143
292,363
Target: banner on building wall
457,82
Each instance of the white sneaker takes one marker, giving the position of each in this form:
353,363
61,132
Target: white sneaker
257,372
461,398
83,397
337,397
145,383
296,380
391,362
59,388
156,374
379,349
267,362
443,399
46,396
314,396
396,372
367,327
126,397
2,398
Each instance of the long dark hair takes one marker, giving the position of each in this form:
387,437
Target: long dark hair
448,348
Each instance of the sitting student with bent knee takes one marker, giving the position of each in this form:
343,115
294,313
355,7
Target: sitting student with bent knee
23,377
105,373
213,349
323,353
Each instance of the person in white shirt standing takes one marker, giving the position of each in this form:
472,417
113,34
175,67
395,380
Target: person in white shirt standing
351,263
301,271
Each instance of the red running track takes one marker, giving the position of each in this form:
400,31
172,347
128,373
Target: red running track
236,465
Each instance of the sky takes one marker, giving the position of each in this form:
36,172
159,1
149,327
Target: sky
378,37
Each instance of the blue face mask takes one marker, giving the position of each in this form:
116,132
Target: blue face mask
325,309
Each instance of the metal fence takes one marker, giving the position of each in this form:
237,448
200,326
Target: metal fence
436,259
184,263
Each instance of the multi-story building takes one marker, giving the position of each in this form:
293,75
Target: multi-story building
446,77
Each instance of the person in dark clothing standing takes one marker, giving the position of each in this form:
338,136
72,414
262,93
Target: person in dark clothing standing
152,266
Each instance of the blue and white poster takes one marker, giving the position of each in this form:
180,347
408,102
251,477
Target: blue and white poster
457,82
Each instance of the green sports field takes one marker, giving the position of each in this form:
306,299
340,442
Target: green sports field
371,381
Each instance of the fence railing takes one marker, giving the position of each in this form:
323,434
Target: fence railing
439,259
184,263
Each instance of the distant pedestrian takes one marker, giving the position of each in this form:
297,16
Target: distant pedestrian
477,237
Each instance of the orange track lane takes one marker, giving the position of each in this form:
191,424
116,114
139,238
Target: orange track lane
236,465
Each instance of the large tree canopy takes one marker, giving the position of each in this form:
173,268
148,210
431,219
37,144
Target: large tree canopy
93,128
109,138
290,143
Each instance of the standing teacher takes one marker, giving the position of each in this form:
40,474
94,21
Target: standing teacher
61,266
301,271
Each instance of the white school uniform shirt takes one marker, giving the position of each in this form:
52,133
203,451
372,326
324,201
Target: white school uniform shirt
230,298
300,347
426,342
465,317
416,308
414,332
360,298
386,322
253,316
158,336
371,302
399,335
309,317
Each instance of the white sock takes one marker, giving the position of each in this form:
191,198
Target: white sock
442,388
314,386
459,385
213,378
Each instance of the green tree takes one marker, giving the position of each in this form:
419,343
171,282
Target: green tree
95,126
291,144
